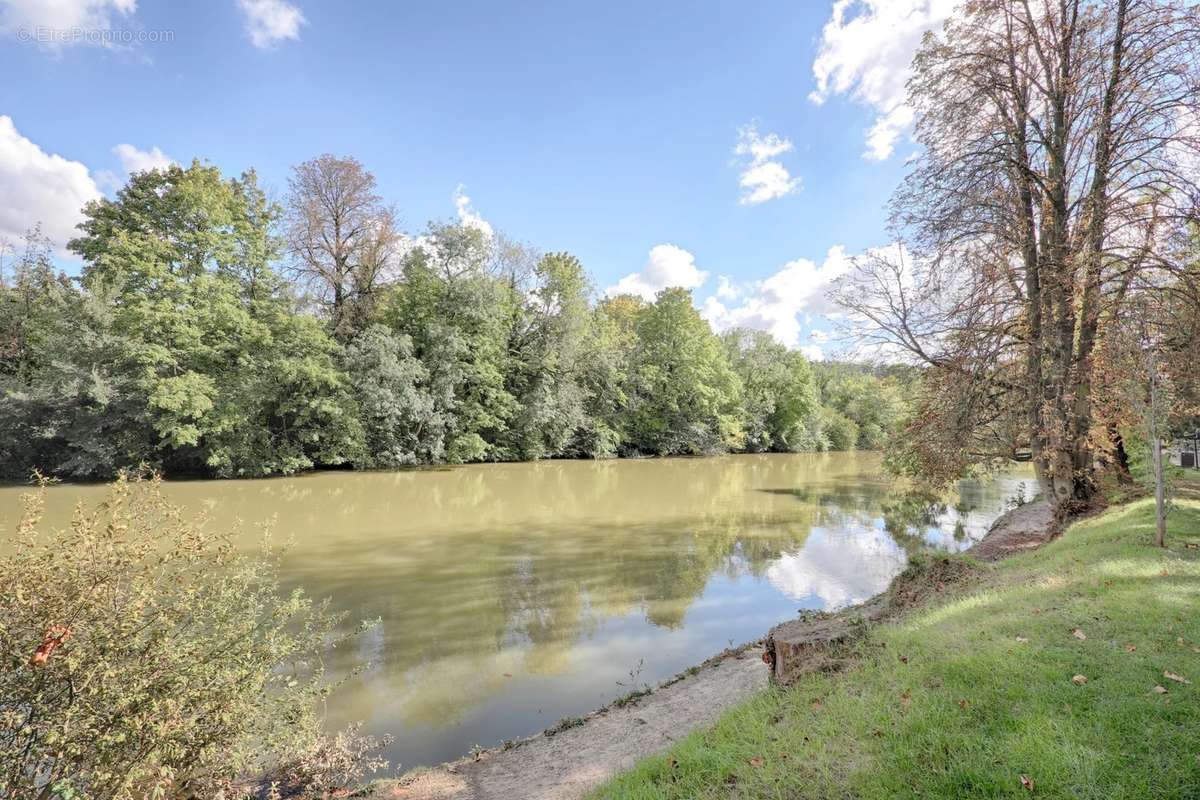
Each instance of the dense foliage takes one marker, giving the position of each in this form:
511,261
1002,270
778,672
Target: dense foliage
213,332
164,664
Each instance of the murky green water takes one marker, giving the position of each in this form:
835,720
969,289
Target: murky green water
513,595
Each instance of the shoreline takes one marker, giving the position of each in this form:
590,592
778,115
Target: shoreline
577,754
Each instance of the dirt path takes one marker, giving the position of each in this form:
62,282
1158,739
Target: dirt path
573,761
1026,527
576,760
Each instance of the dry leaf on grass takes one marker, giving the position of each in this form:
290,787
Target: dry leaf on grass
1079,680
757,761
1130,648
1027,782
1021,640
1079,634
1177,678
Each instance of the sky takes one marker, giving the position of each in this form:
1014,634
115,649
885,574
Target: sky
744,150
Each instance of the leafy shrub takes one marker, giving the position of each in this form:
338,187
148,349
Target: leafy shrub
142,656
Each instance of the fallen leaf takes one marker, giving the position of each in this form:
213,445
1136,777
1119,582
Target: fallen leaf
906,698
1191,545
1130,648
1079,680
1164,573
816,705
963,704
1079,634
508,674
1022,639
1177,678
673,763
1027,782
757,761
1160,690
903,659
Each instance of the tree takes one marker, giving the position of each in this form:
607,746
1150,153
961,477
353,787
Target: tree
390,386
205,366
459,316
341,237
777,389
548,349
686,393
1055,141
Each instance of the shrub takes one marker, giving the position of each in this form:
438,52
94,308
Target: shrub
142,656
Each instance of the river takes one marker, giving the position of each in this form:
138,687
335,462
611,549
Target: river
513,595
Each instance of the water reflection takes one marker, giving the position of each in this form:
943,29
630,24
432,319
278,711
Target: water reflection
513,595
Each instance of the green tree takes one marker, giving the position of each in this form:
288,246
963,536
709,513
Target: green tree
549,359
459,317
778,392
217,371
686,393
397,412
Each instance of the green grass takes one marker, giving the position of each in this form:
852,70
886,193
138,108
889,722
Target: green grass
950,703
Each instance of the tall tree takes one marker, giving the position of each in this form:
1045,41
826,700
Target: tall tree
777,389
341,236
1056,139
686,393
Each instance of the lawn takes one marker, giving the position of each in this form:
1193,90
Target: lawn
1072,671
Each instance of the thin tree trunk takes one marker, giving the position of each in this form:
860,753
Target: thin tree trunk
1156,453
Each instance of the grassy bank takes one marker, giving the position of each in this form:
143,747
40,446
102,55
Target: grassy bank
978,697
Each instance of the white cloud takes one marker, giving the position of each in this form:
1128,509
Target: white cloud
866,52
62,17
762,177
134,160
40,187
777,303
813,352
269,22
467,216
666,265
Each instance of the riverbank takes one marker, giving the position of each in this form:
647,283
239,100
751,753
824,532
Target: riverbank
1070,671
573,758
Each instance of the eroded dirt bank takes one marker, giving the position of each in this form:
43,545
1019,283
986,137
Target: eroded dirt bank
575,759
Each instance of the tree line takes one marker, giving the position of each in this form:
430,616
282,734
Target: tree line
214,332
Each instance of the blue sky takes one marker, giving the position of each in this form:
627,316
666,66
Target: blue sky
605,129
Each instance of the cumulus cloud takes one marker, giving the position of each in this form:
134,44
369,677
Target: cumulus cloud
777,304
763,177
468,217
63,16
866,52
666,265
134,160
269,22
39,187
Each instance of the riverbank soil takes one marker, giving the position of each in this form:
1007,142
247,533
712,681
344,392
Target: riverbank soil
1070,671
